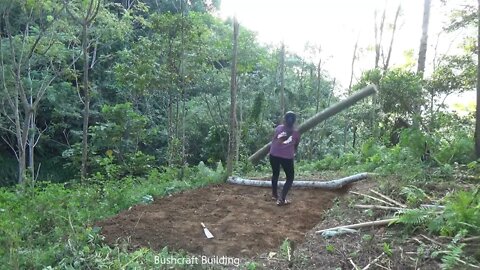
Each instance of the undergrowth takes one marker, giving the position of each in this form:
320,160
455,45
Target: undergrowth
51,225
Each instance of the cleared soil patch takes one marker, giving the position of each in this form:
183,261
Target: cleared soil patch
244,220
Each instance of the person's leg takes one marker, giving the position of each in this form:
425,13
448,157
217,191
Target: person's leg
288,167
275,164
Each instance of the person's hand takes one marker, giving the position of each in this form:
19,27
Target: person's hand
289,140
281,135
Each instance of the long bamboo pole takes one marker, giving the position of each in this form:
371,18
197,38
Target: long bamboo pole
321,116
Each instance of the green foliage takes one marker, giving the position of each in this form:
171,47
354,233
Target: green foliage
459,149
215,143
257,107
367,237
330,248
454,252
372,76
252,266
414,195
49,222
474,167
158,68
400,92
397,160
8,170
122,130
286,248
414,218
456,74
461,214
387,249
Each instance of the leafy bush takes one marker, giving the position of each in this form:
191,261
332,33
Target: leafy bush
460,218
461,213
52,223
414,195
402,159
459,149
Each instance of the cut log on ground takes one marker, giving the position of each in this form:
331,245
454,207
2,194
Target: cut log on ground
320,117
362,225
333,184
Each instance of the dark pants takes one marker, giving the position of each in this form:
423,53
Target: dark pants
287,165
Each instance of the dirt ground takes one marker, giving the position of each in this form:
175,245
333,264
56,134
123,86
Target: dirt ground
362,248
244,220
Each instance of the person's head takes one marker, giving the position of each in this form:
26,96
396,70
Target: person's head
290,118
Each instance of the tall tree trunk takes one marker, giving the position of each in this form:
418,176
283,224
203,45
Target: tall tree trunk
422,53
387,62
86,100
239,127
379,36
31,145
477,111
354,58
347,122
182,76
319,77
22,107
282,80
23,146
232,141
86,20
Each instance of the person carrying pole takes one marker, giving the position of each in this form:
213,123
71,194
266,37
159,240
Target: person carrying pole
282,153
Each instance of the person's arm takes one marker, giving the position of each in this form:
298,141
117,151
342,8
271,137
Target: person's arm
275,133
297,141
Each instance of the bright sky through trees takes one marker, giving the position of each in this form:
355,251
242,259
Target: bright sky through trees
336,25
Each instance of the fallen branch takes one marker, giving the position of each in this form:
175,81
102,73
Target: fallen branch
465,240
418,241
361,225
388,199
371,197
466,263
432,206
374,261
433,241
368,206
353,264
332,184
383,267
470,239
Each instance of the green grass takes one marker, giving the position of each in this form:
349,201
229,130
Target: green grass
52,224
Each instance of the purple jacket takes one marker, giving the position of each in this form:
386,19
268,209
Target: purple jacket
282,146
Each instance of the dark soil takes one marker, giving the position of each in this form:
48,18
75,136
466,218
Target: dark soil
244,220
362,248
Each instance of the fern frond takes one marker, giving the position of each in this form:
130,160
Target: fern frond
415,217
